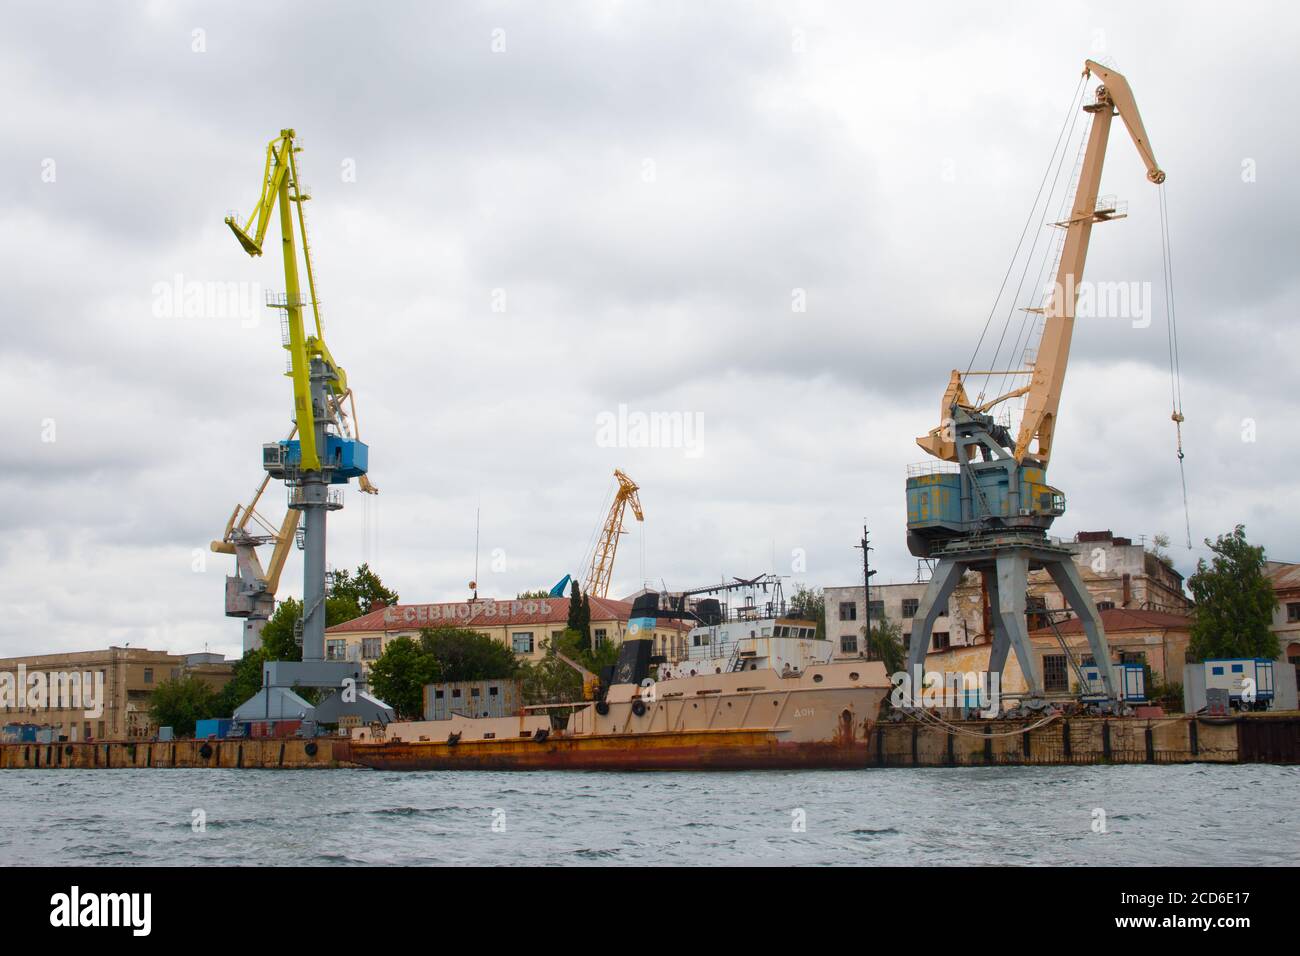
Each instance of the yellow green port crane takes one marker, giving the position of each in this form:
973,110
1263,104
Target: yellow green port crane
327,451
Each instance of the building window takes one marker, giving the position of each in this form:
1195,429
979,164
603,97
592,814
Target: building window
1293,612
598,637
148,675
1105,605
1056,678
371,647
849,644
848,611
910,606
522,642
335,650
877,609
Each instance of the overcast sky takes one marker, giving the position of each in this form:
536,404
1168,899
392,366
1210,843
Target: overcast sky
526,215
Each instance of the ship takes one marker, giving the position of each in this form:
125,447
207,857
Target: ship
752,692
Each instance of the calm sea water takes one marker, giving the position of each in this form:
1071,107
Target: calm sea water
1026,815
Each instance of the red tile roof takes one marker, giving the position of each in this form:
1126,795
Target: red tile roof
1125,619
484,612
1282,575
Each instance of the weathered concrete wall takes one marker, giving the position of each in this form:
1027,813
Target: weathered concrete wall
259,753
1063,741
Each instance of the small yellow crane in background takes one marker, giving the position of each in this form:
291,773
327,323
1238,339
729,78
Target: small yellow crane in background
602,558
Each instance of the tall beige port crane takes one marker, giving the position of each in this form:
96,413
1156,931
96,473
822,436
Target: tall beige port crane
991,513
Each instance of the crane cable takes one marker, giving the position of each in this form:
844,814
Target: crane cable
1175,365
1066,124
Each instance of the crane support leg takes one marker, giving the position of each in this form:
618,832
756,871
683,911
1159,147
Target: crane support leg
314,494
946,577
1067,578
1013,580
1001,639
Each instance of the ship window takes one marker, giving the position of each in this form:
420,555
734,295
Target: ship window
1216,671
489,736
817,678
455,692
853,675
473,692
1237,669
492,691
437,695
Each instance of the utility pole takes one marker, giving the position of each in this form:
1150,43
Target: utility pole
866,549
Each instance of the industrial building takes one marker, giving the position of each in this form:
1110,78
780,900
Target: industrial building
523,625
1117,573
129,675
1285,578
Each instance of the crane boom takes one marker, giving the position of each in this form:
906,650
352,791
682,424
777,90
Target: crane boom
280,183
1038,424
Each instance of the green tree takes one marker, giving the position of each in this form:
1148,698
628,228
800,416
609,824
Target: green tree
584,621
467,655
245,681
1159,549
398,676
1233,616
575,607
810,604
364,589
277,634
181,702
885,644
533,595
551,680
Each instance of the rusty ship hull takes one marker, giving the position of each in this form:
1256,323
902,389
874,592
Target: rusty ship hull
690,750
749,720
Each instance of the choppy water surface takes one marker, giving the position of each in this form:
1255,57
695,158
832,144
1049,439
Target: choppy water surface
1029,815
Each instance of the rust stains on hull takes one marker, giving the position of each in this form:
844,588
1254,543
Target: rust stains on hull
690,750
